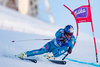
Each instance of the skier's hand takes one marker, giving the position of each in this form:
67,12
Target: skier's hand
69,50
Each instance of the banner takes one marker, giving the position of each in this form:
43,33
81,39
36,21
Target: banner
83,14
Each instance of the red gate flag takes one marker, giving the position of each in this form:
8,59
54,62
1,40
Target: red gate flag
83,14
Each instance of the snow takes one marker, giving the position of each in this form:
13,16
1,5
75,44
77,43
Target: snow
14,21
18,27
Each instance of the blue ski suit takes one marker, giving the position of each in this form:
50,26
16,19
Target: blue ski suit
55,46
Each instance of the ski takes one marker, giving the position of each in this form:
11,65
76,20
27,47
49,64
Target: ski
27,59
58,61
51,60
32,60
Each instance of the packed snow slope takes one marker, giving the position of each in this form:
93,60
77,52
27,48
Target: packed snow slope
22,29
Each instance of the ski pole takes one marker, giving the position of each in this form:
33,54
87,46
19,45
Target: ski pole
28,40
33,39
65,56
68,53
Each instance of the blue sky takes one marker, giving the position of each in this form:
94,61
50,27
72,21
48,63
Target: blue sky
62,16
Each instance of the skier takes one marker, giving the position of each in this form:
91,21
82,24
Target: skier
63,42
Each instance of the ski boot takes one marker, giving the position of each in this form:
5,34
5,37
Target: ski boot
48,55
22,55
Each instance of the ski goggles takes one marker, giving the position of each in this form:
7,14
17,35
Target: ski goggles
68,34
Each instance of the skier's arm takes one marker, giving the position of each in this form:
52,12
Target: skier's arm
60,35
71,45
71,42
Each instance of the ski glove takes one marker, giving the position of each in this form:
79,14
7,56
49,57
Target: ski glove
62,40
69,50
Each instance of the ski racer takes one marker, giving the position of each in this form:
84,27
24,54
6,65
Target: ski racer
63,42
